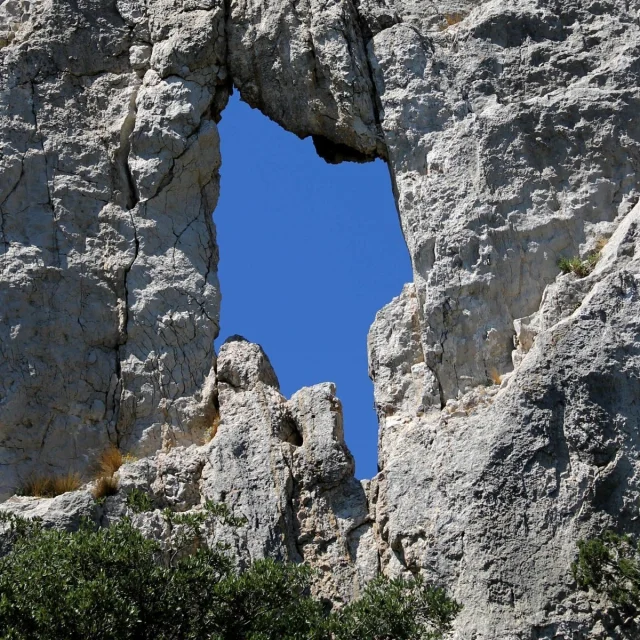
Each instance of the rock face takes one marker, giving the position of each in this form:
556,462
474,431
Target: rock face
506,392
282,465
509,478
109,174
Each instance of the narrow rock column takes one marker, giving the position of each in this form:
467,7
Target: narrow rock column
108,177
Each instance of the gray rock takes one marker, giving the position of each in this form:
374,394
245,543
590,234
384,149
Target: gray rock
282,466
62,512
509,482
506,392
108,175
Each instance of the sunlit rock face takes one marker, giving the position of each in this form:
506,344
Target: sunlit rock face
506,392
109,292
280,464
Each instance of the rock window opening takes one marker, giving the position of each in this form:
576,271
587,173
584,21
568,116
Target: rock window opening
309,252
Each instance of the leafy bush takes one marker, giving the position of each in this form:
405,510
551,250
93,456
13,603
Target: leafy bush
139,501
113,584
391,609
610,565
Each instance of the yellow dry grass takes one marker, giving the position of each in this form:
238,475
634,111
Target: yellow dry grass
51,486
601,243
110,461
453,18
105,486
210,433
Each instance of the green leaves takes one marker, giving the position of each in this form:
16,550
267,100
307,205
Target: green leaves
399,608
610,565
90,583
580,268
139,501
113,584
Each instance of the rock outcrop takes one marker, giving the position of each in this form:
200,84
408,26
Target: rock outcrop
506,391
281,465
508,478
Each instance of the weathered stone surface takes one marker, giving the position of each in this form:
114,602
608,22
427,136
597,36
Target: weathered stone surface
282,465
62,512
304,65
109,173
488,124
506,393
504,136
507,485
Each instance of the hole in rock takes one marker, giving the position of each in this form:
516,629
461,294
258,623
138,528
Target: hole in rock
309,252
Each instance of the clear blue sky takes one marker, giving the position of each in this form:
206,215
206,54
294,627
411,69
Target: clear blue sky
309,252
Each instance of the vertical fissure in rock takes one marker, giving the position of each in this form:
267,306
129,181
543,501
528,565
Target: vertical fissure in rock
127,183
123,337
130,199
4,240
40,138
366,38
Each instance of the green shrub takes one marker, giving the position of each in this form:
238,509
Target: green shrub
139,501
579,267
390,609
113,584
610,565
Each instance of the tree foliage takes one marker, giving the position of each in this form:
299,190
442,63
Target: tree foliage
113,584
610,565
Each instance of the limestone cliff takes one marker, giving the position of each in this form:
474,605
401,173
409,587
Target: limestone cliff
507,393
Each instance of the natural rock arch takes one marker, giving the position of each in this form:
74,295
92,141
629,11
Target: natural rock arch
512,139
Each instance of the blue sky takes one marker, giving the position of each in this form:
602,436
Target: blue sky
309,252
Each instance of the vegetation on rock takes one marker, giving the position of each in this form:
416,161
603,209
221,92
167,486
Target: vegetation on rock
105,486
50,486
113,584
453,18
579,267
106,483
609,565
110,461
139,501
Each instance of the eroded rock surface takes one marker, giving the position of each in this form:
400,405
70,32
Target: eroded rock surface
506,392
109,174
281,465
509,479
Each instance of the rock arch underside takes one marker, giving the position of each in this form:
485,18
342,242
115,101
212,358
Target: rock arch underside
508,393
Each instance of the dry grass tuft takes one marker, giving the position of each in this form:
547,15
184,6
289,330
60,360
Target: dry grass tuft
50,487
601,243
129,458
453,18
496,378
36,486
110,461
105,486
210,433
66,483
